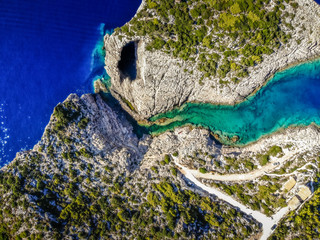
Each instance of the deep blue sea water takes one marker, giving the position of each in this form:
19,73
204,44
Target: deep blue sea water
48,49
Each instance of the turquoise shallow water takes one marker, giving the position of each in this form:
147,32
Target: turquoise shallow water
291,98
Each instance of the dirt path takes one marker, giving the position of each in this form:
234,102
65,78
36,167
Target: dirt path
244,176
267,222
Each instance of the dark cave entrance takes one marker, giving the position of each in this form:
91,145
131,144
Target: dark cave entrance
127,64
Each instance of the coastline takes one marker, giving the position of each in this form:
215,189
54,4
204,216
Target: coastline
230,143
92,176
269,79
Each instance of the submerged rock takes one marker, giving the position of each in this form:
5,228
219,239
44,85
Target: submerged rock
99,86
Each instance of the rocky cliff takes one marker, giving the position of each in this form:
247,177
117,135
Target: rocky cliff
163,81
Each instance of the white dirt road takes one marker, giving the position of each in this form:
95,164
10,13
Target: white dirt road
267,222
244,176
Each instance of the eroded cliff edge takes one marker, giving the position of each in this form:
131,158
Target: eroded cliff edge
162,81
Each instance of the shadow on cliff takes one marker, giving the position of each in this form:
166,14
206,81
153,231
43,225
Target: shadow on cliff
133,162
127,64
115,105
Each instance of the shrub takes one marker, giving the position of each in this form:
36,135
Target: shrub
85,153
174,171
274,150
154,169
263,159
64,116
82,124
40,185
24,234
124,215
175,154
167,158
153,199
203,170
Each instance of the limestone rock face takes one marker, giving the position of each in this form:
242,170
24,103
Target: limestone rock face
186,142
108,133
160,84
109,136
163,82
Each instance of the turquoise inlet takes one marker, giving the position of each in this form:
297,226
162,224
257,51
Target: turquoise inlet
290,98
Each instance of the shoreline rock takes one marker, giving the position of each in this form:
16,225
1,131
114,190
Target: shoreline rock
99,86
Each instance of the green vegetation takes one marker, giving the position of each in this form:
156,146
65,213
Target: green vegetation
302,225
265,196
129,104
167,159
199,161
263,159
227,37
174,171
274,151
65,113
203,170
235,164
93,212
83,123
154,169
84,152
175,154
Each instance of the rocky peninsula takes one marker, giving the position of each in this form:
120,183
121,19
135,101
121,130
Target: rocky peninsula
88,178
164,81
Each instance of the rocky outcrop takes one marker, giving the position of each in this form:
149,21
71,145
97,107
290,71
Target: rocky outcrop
108,133
187,143
163,82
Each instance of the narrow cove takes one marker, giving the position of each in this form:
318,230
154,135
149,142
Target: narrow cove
290,98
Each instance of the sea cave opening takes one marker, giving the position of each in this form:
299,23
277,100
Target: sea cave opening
127,64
